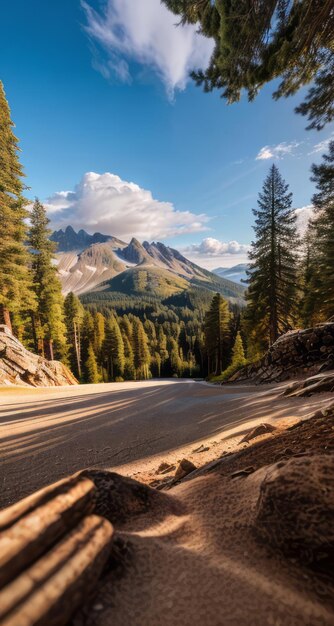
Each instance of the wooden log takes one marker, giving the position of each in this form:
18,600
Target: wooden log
41,526
52,589
13,513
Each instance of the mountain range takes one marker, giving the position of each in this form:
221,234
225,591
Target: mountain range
92,263
237,273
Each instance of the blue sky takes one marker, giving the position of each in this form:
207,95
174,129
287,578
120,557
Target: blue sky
103,88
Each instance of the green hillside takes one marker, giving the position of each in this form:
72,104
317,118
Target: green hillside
162,283
150,281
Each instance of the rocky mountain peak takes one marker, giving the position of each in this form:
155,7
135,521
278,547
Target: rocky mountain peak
68,240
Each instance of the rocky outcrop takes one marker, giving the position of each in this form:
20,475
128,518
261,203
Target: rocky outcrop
18,366
295,510
321,383
295,354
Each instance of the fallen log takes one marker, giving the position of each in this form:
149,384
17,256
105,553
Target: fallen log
55,586
31,535
52,553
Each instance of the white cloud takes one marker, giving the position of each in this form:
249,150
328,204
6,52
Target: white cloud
214,247
322,146
304,215
277,152
106,203
145,31
211,252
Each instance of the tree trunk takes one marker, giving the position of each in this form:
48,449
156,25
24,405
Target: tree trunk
273,287
5,317
48,349
219,355
77,348
34,333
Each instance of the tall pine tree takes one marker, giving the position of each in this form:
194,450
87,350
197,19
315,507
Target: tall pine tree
272,276
48,320
74,314
320,293
216,329
92,374
113,350
141,352
16,295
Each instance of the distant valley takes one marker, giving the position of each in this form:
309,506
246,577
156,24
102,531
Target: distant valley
101,263
237,273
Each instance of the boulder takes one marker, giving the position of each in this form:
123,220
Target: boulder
184,468
19,366
295,509
294,354
262,429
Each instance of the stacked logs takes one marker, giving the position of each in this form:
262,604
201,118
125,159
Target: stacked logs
53,549
297,353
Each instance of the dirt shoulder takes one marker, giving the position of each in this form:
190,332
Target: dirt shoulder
246,541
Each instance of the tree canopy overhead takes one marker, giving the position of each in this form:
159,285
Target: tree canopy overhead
257,41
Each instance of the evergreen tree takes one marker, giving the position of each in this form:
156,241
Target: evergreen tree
48,320
91,367
129,368
16,295
99,336
320,295
74,313
238,353
256,42
141,353
216,328
273,270
87,341
309,313
113,350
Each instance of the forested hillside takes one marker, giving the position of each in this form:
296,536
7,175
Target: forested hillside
154,313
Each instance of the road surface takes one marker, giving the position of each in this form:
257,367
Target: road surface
46,434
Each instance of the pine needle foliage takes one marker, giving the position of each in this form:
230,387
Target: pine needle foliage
216,329
273,273
48,320
256,42
319,295
16,295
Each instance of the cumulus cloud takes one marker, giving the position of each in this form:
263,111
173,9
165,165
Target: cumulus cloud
211,252
214,247
145,31
106,203
277,152
304,215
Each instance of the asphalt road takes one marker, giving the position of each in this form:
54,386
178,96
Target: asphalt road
46,434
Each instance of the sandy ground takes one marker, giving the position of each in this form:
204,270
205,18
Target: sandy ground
46,434
224,548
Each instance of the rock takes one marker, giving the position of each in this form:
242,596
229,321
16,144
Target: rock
262,429
201,449
19,366
163,466
295,509
314,384
295,353
168,469
184,468
243,473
